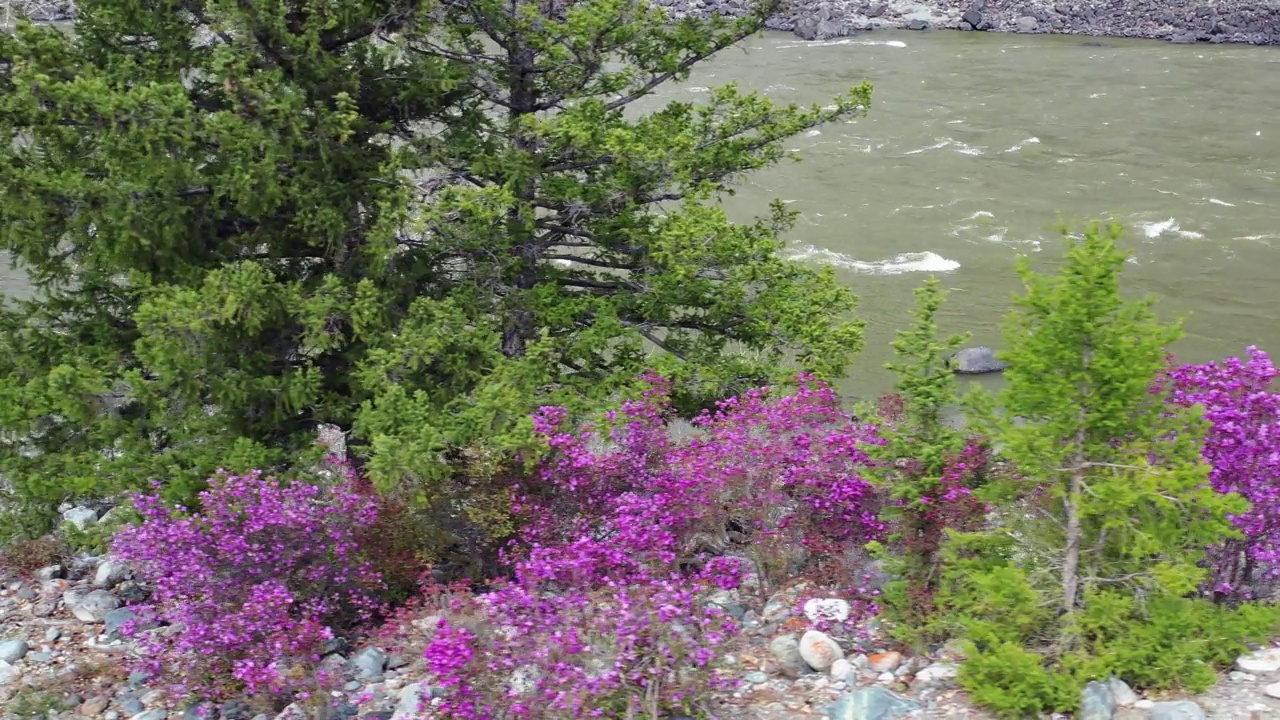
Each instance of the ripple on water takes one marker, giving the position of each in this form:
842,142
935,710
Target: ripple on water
843,41
903,263
961,147
1159,228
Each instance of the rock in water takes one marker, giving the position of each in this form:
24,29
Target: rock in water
976,361
1096,702
872,703
818,650
1177,710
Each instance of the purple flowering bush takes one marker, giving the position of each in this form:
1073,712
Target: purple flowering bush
1243,451
627,532
769,479
251,585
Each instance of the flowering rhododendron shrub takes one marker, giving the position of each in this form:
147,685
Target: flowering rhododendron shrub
252,583
1243,450
773,479
626,534
629,650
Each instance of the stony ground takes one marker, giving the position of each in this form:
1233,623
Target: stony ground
62,657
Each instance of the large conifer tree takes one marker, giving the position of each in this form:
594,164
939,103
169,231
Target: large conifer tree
413,220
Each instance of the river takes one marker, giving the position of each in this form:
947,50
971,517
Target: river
977,143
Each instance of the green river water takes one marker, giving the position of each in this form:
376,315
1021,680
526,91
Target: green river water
977,143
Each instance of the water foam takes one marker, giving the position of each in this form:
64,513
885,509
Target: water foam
960,147
1024,143
1223,203
897,265
1154,230
844,41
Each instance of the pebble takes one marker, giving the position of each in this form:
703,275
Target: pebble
157,714
1241,677
11,651
52,634
1120,690
1260,662
131,707
81,517
93,607
884,662
1177,710
109,573
756,678
886,678
50,572
938,671
408,700
1272,690
872,703
842,670
818,650
370,661
1096,702
786,651
94,706
832,610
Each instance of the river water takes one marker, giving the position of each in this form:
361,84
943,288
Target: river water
978,143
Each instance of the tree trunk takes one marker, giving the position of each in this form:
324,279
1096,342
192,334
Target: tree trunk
519,327
1071,563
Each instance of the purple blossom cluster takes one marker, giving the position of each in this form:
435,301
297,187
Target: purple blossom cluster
1243,451
252,586
628,531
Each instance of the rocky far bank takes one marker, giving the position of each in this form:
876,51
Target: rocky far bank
1180,21
1255,22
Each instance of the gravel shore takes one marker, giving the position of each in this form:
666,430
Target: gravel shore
1179,21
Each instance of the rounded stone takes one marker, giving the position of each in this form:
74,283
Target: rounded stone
818,650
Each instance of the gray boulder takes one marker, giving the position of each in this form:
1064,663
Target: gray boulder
1096,702
93,607
369,662
872,703
1177,710
814,28
977,361
11,651
81,517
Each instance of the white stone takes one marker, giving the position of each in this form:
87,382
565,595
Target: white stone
109,573
886,677
91,608
1145,704
938,671
408,700
826,610
1272,690
1241,677
842,669
1260,662
81,517
818,650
